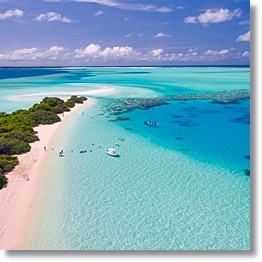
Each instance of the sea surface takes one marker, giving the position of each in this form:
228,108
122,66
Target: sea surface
179,185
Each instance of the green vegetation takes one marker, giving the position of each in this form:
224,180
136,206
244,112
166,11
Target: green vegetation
13,146
7,163
42,117
16,129
3,181
75,100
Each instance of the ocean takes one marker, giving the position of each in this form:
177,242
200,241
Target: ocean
176,185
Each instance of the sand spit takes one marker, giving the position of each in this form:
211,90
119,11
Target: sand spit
19,195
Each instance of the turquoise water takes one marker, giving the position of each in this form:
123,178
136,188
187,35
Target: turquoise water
179,186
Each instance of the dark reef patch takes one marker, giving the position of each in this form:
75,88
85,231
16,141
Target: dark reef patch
245,120
186,124
247,172
120,118
177,116
190,109
120,106
204,111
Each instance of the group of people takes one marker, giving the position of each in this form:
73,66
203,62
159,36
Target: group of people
61,153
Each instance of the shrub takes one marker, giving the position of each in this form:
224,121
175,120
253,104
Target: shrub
44,117
24,136
52,101
78,100
41,106
13,146
7,163
3,180
70,103
60,108
18,120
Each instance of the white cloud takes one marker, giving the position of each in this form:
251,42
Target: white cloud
25,51
118,51
157,52
156,24
215,52
246,54
161,35
99,12
51,17
245,22
128,35
244,38
11,13
90,50
223,52
127,6
55,49
213,16
190,20
95,52
33,54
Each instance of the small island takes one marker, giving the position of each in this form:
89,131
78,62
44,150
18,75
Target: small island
17,129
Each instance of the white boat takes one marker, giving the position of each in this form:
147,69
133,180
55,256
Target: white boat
150,123
111,152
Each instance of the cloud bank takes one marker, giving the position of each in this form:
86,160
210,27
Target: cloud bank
33,54
96,54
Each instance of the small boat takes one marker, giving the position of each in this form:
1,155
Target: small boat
82,151
111,152
150,123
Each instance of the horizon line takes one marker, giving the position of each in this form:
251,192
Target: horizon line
138,66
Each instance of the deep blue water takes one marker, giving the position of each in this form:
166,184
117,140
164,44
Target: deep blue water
212,133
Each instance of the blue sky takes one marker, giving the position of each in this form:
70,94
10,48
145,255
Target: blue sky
124,32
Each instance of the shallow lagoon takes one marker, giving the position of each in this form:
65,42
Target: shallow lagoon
178,186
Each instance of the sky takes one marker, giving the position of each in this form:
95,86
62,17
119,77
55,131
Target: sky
124,32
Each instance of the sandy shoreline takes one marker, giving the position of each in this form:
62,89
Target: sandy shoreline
18,197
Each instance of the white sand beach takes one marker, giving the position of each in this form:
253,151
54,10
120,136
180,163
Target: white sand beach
18,197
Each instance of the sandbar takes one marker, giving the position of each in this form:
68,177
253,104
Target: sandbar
17,199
